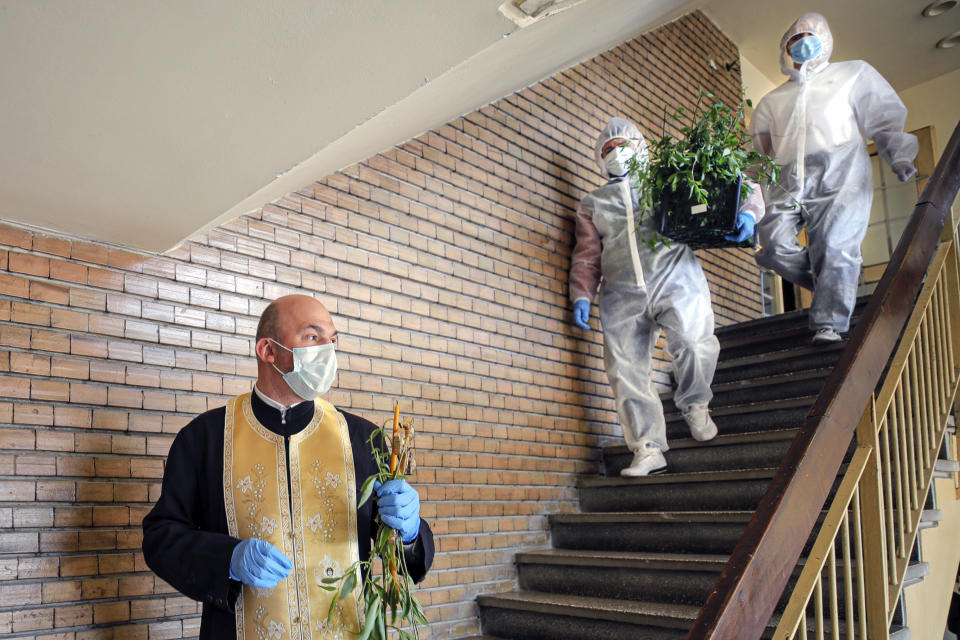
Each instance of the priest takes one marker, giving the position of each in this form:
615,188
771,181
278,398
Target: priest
259,498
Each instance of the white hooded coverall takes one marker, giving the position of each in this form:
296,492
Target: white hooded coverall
642,291
814,125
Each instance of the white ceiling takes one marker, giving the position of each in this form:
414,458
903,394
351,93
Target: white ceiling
892,35
143,123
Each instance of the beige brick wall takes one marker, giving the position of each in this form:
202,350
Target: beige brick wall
444,263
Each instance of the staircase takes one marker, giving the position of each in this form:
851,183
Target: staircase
644,554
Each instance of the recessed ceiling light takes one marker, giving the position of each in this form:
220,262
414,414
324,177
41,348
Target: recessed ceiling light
937,7
951,40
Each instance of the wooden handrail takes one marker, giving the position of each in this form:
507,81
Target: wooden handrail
750,585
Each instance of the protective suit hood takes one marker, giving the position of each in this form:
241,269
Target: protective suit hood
619,128
807,23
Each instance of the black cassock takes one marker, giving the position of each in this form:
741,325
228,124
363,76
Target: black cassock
185,539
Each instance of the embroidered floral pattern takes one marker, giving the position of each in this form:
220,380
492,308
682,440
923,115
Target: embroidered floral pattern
251,488
268,525
325,484
333,628
268,629
245,484
315,523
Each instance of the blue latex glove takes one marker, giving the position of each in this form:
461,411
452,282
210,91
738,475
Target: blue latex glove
399,506
745,225
258,563
581,314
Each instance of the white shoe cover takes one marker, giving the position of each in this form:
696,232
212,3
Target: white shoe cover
647,460
702,426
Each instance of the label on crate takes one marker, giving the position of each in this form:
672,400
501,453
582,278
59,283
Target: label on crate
698,208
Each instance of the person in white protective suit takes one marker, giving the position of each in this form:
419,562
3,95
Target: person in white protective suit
644,290
814,125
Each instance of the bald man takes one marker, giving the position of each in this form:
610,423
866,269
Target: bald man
258,503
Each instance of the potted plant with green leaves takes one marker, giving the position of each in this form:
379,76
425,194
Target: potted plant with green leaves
693,183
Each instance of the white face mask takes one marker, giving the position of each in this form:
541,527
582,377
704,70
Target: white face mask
617,161
314,369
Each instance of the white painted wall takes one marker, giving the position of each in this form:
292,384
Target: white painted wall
936,103
755,84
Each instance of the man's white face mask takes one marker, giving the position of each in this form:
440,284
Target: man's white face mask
314,369
617,161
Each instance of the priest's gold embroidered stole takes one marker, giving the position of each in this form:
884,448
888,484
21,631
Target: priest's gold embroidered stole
314,521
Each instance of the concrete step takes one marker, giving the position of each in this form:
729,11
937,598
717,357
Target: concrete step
524,615
726,451
704,532
795,384
651,577
684,578
773,324
747,417
777,362
730,490
747,344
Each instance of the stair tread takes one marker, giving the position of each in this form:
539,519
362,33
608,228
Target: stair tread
785,318
751,437
600,517
600,608
763,381
627,559
751,407
735,339
683,477
779,355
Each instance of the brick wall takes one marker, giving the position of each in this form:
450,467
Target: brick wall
444,263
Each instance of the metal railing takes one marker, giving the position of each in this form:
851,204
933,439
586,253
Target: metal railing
854,572
875,515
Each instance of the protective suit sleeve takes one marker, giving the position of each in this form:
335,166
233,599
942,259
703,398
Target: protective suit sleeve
196,563
753,203
882,117
760,131
585,261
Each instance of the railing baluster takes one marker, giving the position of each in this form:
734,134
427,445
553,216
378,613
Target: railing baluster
818,608
834,608
947,298
940,350
915,410
858,552
923,399
848,603
899,497
930,377
887,484
909,454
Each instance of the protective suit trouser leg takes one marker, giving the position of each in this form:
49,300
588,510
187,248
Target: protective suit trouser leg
629,337
836,228
687,320
777,232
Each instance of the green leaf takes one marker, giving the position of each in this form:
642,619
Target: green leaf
333,606
383,536
370,620
348,584
366,489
